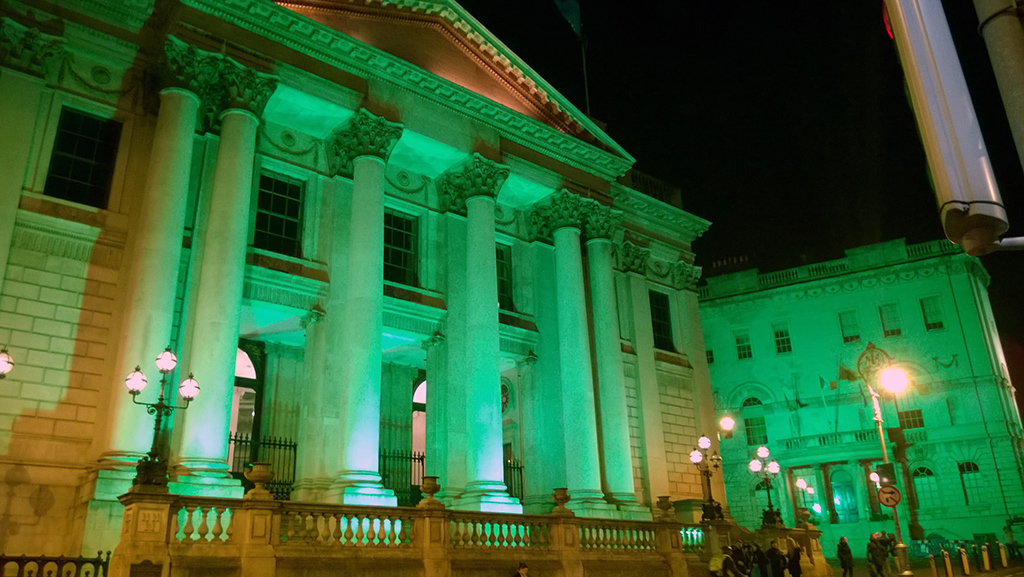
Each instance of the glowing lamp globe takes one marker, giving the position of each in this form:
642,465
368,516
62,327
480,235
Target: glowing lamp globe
136,381
166,361
874,478
188,388
816,507
894,380
704,442
810,490
763,452
801,484
755,466
773,467
6,363
696,456
727,423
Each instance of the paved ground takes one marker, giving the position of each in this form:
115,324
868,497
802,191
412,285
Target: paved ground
922,568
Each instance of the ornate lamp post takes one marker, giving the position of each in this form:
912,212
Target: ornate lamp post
876,366
706,464
767,470
6,363
151,472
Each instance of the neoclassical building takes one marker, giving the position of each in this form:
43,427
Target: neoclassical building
378,241
788,353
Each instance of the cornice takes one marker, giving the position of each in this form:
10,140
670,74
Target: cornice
655,216
280,288
66,239
287,28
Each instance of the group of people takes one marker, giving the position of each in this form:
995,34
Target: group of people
881,547
749,560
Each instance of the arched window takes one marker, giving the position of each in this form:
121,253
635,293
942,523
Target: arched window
926,487
970,480
843,497
754,425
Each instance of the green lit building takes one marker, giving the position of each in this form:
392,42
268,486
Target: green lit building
783,350
381,243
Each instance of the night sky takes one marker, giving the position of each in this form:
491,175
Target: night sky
786,126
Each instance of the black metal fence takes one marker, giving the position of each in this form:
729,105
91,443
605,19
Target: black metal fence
402,472
514,478
38,566
277,451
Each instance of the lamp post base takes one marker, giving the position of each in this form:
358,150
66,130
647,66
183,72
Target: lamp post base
771,518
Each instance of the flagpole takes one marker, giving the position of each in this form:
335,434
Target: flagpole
586,83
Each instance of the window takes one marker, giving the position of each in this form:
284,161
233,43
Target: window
890,320
910,419
743,350
279,214
926,487
849,326
661,319
932,313
711,356
970,480
756,430
504,259
82,162
752,402
783,344
400,262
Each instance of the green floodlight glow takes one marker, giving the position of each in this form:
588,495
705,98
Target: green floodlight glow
894,380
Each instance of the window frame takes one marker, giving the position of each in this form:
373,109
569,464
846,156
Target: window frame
500,247
304,191
854,336
938,323
933,493
894,317
970,469
668,336
910,419
746,347
414,271
782,342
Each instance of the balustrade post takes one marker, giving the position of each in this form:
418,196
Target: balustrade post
430,531
145,533
565,535
254,531
669,542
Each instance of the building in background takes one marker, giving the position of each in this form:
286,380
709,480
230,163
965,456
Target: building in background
783,350
381,243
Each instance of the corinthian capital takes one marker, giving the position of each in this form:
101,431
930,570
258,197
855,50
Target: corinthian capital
27,49
185,66
365,135
245,88
685,275
601,221
477,176
633,258
564,210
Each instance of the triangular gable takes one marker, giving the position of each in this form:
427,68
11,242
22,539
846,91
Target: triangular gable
442,38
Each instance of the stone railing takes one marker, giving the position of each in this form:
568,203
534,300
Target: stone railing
830,439
259,537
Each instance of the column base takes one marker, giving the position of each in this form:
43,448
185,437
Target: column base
488,501
598,509
196,486
103,513
310,490
634,512
537,504
360,488
449,496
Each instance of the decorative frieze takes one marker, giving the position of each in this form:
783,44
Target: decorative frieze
365,134
477,176
633,258
27,49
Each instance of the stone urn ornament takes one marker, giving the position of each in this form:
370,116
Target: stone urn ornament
428,487
259,474
561,497
667,510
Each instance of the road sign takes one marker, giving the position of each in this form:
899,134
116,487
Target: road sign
889,496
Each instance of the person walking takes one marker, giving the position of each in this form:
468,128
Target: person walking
878,556
776,561
794,563
845,557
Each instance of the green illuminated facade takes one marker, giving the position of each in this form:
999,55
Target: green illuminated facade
783,349
367,229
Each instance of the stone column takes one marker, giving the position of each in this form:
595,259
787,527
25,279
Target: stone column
564,217
360,149
473,186
204,441
310,471
154,258
614,418
436,457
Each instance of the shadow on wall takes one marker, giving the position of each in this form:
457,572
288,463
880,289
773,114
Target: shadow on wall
20,489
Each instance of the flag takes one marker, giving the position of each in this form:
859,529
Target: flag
570,10
847,374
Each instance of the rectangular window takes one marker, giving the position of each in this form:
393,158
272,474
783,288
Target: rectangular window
932,313
756,430
783,344
279,214
504,258
849,326
401,264
710,355
890,316
82,162
661,319
972,483
743,349
911,419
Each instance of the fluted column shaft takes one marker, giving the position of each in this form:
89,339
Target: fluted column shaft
583,473
153,268
219,299
483,397
618,461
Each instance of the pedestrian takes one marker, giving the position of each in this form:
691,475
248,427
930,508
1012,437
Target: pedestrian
776,560
794,563
723,565
845,557
521,572
758,560
878,556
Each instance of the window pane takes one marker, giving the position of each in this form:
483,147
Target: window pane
661,319
911,419
503,254
400,259
83,157
743,349
970,479
849,326
278,218
890,320
927,488
783,344
932,313
756,430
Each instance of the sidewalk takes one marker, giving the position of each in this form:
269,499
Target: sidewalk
922,568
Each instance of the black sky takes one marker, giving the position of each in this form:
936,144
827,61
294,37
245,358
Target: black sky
787,126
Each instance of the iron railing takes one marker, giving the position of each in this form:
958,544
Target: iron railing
402,472
514,478
40,565
277,451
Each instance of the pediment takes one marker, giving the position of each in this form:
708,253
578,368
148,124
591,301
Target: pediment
441,38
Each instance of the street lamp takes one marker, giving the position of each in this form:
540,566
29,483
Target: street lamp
151,472
705,463
874,363
766,470
6,362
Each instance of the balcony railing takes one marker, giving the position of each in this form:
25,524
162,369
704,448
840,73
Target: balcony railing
277,451
830,439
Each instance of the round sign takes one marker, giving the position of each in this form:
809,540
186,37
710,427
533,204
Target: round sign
889,496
